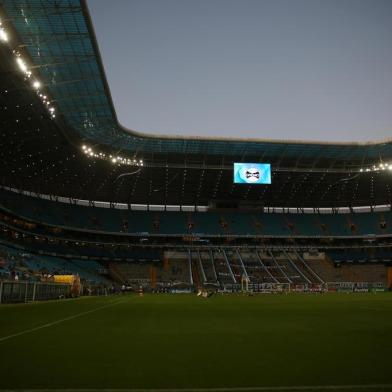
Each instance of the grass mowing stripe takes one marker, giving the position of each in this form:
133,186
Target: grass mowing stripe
222,389
26,331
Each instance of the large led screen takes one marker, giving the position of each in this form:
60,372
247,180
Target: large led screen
252,173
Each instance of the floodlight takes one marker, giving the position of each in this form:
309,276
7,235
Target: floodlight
3,35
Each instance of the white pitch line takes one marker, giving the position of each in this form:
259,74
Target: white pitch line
221,389
26,331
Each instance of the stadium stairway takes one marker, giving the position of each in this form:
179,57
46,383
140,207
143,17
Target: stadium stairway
281,274
303,268
267,268
302,272
234,264
312,275
222,267
257,270
201,268
196,271
289,269
208,266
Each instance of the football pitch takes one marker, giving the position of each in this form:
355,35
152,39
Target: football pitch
293,342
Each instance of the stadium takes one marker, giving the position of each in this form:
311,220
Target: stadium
141,262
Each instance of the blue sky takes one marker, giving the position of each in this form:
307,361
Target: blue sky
275,69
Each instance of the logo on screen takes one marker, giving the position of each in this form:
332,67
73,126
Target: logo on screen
252,173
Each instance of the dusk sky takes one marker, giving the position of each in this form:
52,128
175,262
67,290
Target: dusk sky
275,69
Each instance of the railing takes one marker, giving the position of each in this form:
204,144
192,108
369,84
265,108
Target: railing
356,286
14,292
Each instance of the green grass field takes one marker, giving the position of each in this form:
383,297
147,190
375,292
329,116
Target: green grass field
236,343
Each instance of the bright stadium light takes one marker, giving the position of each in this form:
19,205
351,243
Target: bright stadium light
382,166
35,83
3,35
22,65
117,159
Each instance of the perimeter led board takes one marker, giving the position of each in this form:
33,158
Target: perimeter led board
252,173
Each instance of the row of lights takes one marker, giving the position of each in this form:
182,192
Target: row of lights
36,85
133,162
374,168
112,158
88,151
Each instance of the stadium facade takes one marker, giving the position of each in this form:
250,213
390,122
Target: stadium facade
78,185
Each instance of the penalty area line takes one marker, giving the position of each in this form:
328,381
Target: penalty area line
74,316
368,387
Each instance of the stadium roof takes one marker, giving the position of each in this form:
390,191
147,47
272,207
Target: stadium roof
60,39
56,44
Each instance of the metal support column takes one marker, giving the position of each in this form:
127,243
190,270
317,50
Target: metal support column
313,272
34,290
295,267
265,268
213,265
279,267
228,266
242,264
26,291
190,266
201,267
